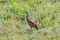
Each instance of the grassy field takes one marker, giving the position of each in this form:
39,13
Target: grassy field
13,24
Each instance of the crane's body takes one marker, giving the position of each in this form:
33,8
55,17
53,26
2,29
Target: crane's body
31,24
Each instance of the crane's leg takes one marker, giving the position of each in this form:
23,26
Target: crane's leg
31,34
31,29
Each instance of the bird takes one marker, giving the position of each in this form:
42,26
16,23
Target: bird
30,22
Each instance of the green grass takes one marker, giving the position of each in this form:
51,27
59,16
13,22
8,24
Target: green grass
13,24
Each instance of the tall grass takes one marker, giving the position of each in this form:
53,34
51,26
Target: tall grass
13,24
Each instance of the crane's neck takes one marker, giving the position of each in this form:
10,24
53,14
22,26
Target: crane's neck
27,15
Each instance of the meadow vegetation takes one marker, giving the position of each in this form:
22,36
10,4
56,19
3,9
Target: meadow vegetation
13,24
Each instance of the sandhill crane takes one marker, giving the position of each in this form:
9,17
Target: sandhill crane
30,22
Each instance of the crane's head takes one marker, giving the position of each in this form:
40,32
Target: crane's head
27,13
